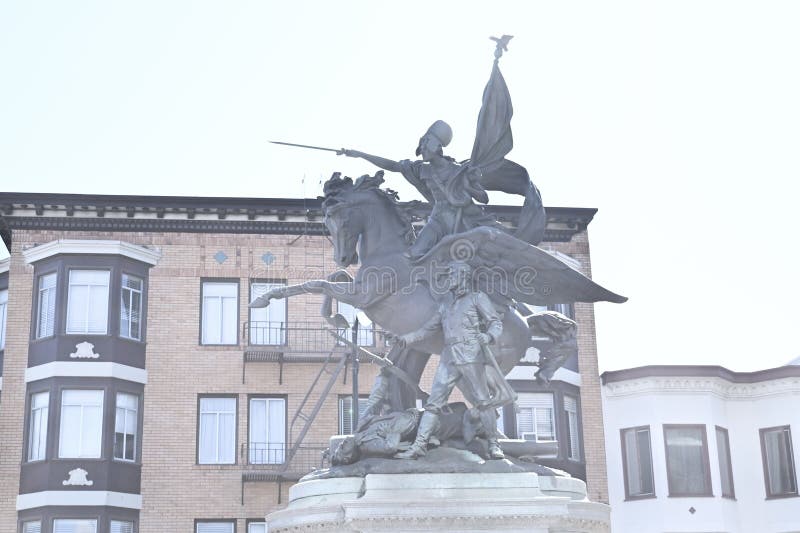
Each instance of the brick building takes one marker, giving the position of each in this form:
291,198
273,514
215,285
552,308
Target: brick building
139,392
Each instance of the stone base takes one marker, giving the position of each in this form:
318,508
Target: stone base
441,502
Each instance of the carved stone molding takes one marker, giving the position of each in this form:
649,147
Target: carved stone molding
703,385
84,350
78,478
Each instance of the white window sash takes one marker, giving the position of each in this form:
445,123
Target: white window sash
217,431
88,435
87,302
45,323
130,311
128,424
267,431
220,313
214,527
37,433
33,526
121,526
3,316
74,525
267,324
257,527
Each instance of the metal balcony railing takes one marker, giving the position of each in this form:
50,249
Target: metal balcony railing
270,457
301,337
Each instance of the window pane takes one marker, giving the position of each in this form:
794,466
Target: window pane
130,307
46,306
87,302
638,461
219,320
724,457
573,436
126,420
217,435
61,525
366,333
81,427
687,461
3,313
779,462
37,432
257,527
121,527
267,324
215,527
535,417
346,412
32,527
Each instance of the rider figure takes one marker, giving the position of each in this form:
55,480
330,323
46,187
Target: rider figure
464,357
449,186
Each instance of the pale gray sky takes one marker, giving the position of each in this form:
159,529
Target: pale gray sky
679,120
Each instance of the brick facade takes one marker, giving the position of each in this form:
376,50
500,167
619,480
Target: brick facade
175,489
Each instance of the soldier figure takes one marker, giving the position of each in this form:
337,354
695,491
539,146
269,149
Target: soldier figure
464,357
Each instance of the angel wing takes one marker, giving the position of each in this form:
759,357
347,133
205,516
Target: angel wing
506,268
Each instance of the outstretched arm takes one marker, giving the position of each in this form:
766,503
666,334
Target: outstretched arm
380,162
429,328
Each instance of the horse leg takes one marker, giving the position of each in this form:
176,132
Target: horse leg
349,293
335,319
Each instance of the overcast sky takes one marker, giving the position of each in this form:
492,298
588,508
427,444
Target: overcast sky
680,121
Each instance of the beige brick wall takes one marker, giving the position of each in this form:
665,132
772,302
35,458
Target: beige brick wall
175,489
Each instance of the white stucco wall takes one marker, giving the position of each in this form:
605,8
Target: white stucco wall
712,401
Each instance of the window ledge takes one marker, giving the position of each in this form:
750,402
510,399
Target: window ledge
637,498
782,496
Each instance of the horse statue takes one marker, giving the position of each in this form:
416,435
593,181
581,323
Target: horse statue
370,227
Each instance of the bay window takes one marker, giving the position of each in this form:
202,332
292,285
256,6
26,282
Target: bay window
535,420
688,472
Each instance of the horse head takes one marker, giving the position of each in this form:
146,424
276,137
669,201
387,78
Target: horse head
358,214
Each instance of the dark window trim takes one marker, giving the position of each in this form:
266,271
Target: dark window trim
53,269
284,281
235,425
213,520
705,459
205,280
628,496
110,305
732,495
761,433
137,460
285,398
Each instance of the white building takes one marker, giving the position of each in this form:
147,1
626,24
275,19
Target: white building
702,449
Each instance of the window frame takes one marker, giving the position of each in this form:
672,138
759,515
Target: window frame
203,282
137,435
3,318
255,521
792,463
262,281
29,426
133,523
568,430
109,300
340,401
94,518
250,398
727,443
628,495
103,431
198,521
705,459
553,416
37,305
142,296
24,522
235,430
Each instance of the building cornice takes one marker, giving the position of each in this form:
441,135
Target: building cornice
698,385
91,247
78,212
700,371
